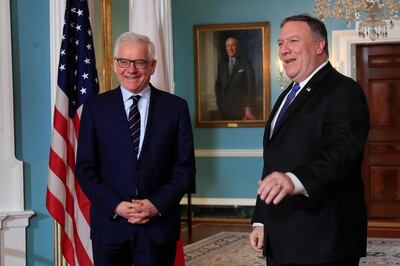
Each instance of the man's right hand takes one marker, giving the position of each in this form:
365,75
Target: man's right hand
248,114
136,211
125,209
257,238
129,210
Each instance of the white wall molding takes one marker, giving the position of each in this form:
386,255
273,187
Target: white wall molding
343,52
17,219
57,10
229,153
221,201
11,170
13,237
13,218
2,217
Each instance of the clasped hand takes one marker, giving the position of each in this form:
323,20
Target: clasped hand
275,187
136,211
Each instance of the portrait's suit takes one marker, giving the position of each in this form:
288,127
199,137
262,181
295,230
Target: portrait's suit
320,140
235,91
109,172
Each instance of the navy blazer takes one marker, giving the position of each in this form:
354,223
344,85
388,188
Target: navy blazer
320,139
109,172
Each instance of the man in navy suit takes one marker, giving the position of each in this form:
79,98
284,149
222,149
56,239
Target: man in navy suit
135,179
235,85
310,208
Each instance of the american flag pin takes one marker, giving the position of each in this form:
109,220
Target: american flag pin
308,89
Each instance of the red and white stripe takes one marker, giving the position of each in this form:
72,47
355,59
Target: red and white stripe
65,200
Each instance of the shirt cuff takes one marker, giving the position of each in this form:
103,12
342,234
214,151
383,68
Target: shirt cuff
257,224
298,186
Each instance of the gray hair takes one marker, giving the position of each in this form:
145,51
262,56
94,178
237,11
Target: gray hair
133,37
232,38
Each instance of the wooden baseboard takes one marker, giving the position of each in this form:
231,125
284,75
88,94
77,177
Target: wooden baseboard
371,224
219,220
385,229
383,224
388,229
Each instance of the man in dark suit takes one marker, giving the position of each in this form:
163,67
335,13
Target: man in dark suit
235,85
310,208
135,161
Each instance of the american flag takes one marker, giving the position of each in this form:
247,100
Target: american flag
77,82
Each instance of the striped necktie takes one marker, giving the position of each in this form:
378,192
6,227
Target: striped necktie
134,123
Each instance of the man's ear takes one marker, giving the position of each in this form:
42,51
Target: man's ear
153,66
320,45
115,65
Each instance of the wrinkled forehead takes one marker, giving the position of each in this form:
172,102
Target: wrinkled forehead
133,48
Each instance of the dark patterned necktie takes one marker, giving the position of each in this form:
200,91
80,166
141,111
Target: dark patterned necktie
134,122
288,101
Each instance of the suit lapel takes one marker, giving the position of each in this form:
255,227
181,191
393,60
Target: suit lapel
303,95
121,125
275,109
155,105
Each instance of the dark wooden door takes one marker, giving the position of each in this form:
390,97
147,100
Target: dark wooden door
378,72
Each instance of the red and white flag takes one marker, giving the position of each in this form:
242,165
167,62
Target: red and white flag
77,82
145,19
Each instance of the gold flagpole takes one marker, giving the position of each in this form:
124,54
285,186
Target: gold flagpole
107,72
59,259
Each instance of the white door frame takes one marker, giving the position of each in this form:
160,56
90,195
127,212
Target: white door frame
343,48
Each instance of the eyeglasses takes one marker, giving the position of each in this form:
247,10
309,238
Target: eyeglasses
125,63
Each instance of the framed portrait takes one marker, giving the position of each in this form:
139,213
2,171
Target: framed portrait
232,74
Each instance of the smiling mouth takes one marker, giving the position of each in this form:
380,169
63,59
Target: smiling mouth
289,60
131,77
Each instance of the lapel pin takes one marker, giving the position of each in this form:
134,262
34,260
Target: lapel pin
308,89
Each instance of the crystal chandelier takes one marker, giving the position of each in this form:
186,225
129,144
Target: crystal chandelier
371,14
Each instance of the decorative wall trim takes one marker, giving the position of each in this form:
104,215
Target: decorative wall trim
11,170
229,153
343,44
17,219
221,201
13,218
2,217
13,240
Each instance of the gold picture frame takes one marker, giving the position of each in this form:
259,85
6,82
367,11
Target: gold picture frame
237,96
